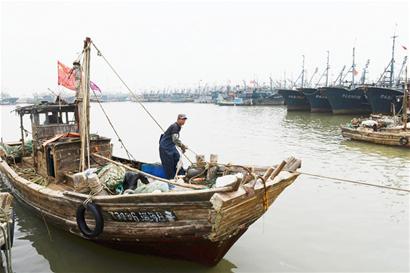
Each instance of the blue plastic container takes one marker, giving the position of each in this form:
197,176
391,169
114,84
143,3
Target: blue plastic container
154,169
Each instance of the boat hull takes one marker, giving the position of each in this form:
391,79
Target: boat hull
347,101
295,100
199,230
385,137
318,101
384,100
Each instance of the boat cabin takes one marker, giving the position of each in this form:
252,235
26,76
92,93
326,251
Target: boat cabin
56,140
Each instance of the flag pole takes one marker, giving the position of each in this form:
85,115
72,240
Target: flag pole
405,99
84,107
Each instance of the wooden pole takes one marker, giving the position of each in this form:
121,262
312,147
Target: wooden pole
84,117
22,135
405,98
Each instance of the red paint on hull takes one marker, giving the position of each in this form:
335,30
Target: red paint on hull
197,250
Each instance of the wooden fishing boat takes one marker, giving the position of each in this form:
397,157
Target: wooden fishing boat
197,222
391,137
386,130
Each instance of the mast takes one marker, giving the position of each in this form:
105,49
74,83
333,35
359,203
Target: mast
325,72
405,99
327,68
401,71
363,78
84,118
313,74
339,77
353,66
303,70
391,80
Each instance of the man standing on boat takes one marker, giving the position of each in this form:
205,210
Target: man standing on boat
167,147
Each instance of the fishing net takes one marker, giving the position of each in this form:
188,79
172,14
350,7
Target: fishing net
111,175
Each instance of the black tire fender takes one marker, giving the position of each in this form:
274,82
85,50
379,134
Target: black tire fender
404,141
98,218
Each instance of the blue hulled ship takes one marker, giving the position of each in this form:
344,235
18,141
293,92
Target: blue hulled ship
317,99
347,101
385,97
384,100
346,98
295,99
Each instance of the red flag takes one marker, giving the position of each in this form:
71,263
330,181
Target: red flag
66,76
94,87
355,72
405,48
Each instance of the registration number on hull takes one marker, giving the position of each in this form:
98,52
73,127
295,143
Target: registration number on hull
143,216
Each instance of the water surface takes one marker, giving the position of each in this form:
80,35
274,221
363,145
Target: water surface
315,225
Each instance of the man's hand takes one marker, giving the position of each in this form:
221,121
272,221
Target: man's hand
184,148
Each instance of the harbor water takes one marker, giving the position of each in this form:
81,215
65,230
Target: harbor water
316,224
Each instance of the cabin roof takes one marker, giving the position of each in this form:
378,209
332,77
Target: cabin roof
45,107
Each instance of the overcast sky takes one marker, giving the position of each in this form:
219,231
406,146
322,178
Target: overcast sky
178,44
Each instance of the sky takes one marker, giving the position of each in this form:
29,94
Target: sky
179,44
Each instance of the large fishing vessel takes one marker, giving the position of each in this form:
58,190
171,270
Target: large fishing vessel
385,97
72,180
345,97
379,129
295,98
317,99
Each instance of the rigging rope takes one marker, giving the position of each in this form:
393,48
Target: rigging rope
129,89
115,131
136,99
353,181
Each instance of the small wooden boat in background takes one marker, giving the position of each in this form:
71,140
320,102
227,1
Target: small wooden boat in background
385,130
196,218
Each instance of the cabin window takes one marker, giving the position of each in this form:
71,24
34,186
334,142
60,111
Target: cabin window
63,117
71,118
53,118
41,118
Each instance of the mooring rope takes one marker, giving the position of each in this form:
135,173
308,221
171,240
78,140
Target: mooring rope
133,94
352,181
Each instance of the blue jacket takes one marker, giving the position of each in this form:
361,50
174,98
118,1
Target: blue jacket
165,142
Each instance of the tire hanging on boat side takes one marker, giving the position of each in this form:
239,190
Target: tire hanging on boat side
98,218
403,141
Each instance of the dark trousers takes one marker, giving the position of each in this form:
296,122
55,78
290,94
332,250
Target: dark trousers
169,160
